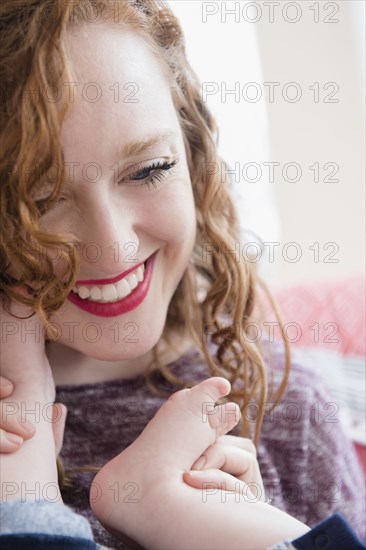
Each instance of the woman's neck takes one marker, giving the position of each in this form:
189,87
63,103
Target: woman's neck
72,367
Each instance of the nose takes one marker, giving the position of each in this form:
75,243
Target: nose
110,244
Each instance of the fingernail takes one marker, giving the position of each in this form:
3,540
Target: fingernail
195,472
14,438
200,463
28,426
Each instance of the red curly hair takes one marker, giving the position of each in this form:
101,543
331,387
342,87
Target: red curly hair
32,59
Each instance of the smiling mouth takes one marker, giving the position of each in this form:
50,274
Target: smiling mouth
111,304
112,292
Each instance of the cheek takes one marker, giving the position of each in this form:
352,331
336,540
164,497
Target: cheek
172,212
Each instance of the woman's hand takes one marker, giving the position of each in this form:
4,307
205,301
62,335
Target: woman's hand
13,431
231,455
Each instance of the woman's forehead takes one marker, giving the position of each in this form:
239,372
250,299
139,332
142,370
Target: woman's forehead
116,83
103,53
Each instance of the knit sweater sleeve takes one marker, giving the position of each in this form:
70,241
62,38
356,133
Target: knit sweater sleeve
334,479
308,463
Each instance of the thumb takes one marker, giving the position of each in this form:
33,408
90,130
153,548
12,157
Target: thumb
59,413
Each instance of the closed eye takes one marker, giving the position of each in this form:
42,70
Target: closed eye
160,169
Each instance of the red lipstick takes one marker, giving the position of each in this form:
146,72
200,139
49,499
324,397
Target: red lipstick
108,281
122,306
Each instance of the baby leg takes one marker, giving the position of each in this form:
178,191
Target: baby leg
141,494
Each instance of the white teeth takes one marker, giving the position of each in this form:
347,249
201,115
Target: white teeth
123,288
96,293
132,280
140,273
83,292
109,292
112,292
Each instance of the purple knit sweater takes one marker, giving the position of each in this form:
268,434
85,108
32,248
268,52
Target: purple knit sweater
308,465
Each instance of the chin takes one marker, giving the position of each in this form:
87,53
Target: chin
113,356
131,345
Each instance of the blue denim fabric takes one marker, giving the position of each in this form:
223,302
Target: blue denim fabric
333,533
38,541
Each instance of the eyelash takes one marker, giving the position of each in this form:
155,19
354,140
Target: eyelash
163,168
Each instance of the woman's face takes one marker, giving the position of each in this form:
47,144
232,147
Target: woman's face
122,98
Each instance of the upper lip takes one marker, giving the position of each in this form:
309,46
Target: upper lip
108,281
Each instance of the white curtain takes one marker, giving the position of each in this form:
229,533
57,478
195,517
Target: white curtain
225,56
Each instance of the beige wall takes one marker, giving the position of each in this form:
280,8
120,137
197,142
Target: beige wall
308,132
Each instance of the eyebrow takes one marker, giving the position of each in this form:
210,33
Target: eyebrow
134,148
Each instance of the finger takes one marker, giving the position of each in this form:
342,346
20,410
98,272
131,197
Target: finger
6,387
9,442
59,413
13,423
242,442
232,460
213,480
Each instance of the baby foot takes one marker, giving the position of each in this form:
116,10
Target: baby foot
134,494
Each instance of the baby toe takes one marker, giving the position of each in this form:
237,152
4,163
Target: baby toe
224,417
